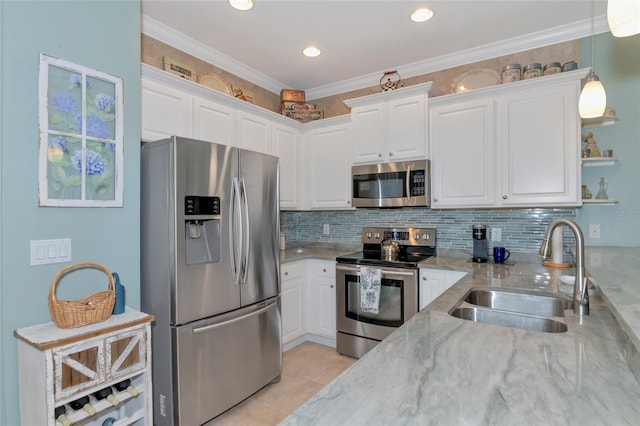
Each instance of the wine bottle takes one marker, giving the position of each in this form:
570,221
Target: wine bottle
83,403
126,385
108,394
61,416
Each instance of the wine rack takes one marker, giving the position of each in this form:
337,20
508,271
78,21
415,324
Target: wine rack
58,367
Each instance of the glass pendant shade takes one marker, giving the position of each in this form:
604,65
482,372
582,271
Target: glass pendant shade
593,99
623,17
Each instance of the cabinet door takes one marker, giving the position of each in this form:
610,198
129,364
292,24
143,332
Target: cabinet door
462,148
213,122
434,282
286,141
540,146
322,298
329,166
164,112
254,133
407,128
292,299
368,134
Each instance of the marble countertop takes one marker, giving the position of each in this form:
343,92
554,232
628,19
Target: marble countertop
437,369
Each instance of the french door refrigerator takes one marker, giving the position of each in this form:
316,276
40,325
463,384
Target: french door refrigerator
210,275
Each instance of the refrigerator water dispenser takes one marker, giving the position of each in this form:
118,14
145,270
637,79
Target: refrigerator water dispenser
202,241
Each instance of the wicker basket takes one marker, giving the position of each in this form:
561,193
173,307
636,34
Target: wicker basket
76,313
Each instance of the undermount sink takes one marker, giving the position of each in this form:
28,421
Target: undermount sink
519,301
510,319
513,308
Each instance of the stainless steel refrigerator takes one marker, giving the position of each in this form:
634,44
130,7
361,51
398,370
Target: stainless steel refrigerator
210,275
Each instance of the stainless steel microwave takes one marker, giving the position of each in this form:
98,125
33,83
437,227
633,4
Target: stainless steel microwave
401,184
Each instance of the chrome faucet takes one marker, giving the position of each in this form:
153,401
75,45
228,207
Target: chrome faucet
580,293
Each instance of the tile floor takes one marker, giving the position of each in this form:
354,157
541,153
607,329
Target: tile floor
305,370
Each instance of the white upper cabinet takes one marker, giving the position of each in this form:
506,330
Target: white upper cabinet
390,126
463,153
286,145
327,164
254,132
512,145
540,134
213,122
165,112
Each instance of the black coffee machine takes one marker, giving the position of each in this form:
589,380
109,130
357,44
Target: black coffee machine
480,244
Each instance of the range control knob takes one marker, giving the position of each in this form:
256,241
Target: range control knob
425,236
416,236
368,235
377,235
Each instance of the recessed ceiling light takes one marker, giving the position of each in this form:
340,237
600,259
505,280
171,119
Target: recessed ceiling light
311,51
421,15
241,4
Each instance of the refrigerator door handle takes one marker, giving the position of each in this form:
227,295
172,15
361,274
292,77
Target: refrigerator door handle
210,327
245,231
235,232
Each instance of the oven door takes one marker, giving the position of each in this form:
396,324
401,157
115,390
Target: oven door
398,302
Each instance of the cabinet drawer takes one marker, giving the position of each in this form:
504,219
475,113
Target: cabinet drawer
291,271
323,269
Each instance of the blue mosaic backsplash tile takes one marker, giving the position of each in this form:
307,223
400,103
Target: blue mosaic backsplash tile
522,229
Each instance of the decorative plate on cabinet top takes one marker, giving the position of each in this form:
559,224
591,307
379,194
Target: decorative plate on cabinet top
475,79
215,82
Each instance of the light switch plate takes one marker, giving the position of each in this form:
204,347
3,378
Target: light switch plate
44,252
496,234
594,231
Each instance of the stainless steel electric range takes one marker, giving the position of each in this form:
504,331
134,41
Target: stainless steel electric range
397,253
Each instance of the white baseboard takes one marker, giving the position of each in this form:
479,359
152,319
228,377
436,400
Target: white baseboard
322,340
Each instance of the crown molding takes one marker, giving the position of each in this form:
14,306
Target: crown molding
561,34
186,44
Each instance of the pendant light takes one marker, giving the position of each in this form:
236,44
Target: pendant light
593,99
623,17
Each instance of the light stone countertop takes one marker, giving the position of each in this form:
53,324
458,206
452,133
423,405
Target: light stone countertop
437,369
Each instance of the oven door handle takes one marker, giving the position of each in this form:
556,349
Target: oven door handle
384,271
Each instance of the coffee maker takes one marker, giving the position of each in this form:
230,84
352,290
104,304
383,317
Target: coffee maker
480,244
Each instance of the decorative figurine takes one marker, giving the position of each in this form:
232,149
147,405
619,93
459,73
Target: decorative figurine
591,145
390,80
586,194
602,193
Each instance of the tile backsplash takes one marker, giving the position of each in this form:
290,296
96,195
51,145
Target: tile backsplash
522,229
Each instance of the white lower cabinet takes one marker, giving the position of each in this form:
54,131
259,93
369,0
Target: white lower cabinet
293,300
434,282
58,367
321,312
308,300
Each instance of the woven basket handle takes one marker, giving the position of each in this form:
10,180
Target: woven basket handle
80,265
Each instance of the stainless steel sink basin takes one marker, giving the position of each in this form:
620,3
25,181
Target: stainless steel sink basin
509,319
519,301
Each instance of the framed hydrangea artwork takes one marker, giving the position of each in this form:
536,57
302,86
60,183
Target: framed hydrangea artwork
81,136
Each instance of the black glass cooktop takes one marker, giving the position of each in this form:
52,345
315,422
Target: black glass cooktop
405,259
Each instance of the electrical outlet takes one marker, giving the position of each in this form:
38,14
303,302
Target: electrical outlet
594,231
496,234
325,229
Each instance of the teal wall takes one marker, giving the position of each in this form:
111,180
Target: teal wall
102,35
617,63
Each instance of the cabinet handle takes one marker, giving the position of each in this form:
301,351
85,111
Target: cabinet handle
286,273
435,200
331,286
424,278
379,155
391,154
324,269
504,197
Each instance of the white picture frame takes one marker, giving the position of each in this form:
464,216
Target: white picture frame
81,137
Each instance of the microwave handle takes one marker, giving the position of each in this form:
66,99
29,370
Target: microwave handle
407,183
